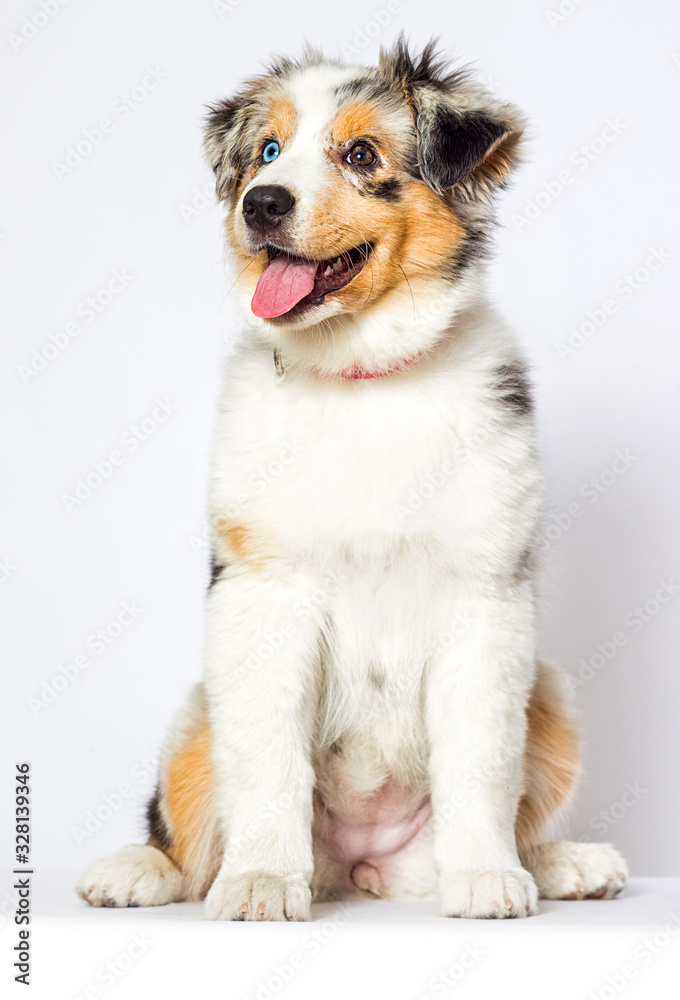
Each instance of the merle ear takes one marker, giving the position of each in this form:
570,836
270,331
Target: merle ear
468,142
473,151
221,140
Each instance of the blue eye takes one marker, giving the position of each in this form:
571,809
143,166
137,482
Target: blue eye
270,152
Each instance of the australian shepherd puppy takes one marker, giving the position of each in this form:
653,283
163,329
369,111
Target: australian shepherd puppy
373,717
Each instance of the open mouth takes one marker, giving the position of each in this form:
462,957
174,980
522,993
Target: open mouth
289,284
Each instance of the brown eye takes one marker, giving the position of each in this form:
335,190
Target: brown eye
360,155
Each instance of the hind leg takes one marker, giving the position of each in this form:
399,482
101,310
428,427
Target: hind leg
138,875
183,853
568,870
561,870
551,756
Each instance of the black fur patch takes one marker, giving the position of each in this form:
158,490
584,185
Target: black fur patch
526,565
283,66
513,388
453,143
158,831
428,67
365,88
473,247
389,190
377,679
215,570
219,120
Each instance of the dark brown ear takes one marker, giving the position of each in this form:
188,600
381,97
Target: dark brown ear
222,142
467,142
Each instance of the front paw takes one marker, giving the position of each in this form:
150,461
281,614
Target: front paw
258,896
488,892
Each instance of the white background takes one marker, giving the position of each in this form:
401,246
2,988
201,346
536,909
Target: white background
138,538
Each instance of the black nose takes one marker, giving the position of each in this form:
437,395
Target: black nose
264,206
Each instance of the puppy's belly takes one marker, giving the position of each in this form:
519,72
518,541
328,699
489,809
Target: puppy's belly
369,830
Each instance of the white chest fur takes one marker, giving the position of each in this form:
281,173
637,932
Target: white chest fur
325,470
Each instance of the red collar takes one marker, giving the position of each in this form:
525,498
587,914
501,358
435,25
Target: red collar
356,371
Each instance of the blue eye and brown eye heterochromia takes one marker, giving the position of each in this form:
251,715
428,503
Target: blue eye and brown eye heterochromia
270,151
360,155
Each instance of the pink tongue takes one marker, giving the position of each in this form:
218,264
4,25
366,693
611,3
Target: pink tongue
282,285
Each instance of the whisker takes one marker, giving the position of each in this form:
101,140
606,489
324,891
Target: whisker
413,300
190,274
231,286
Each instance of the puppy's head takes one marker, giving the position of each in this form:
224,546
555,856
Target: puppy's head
344,183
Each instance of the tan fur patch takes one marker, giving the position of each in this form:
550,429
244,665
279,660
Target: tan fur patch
551,759
242,543
499,163
411,238
354,120
282,120
433,234
188,797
